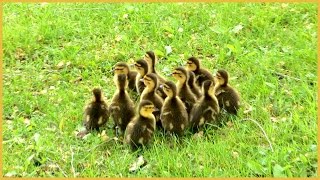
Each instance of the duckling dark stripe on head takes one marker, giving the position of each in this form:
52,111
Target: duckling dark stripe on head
223,74
97,94
195,61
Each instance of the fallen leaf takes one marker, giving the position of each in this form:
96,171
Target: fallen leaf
235,154
11,174
198,135
27,121
237,28
168,49
60,65
20,54
229,124
68,63
139,163
274,119
248,110
78,79
118,38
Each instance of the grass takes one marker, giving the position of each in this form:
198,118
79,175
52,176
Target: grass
54,54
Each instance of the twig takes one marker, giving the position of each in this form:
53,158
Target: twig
65,175
283,75
72,168
265,134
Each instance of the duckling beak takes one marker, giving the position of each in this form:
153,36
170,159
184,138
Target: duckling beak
141,80
155,109
161,86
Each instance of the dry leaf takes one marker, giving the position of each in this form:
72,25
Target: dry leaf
68,63
198,135
140,162
235,154
27,121
229,124
248,110
60,65
11,174
20,54
78,79
168,49
274,119
237,28
118,38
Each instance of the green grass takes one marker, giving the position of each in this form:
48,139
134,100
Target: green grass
43,104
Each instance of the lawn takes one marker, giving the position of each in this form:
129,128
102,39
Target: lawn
54,54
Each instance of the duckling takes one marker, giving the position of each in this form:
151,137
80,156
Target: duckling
184,91
123,68
193,86
150,57
149,93
142,68
121,107
141,128
201,74
228,97
206,110
174,116
96,113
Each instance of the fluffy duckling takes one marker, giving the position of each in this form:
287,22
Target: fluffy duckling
150,57
184,92
149,93
96,113
201,74
140,130
228,97
142,69
206,110
174,116
193,86
121,107
123,68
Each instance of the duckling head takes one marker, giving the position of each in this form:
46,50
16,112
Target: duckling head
221,77
150,58
146,108
150,81
208,88
97,95
141,66
193,64
180,74
121,81
121,68
170,89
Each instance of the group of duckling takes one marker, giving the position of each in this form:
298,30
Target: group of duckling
196,99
